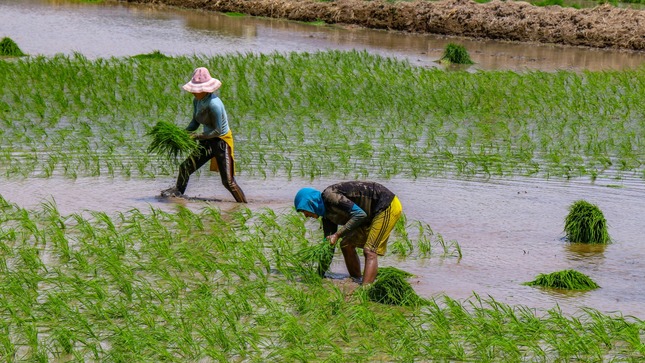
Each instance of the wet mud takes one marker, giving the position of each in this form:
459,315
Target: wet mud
604,26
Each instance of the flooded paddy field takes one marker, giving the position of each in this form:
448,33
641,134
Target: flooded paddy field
139,283
509,230
96,266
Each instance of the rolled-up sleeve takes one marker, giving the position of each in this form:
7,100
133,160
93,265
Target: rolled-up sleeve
357,217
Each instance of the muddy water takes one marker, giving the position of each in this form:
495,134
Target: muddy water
509,231
48,27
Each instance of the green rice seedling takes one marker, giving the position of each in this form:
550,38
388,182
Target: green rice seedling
7,347
385,272
171,141
9,48
566,279
585,223
317,256
457,249
360,313
64,338
391,288
424,241
456,54
403,245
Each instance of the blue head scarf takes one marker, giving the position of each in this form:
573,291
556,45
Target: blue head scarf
310,200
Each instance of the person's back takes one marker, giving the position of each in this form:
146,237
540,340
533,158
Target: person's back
361,214
371,197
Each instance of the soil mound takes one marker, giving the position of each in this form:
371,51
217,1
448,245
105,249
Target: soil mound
604,26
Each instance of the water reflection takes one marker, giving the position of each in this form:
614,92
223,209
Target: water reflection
220,24
586,257
118,29
582,250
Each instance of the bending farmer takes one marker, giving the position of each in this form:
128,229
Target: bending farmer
216,141
366,213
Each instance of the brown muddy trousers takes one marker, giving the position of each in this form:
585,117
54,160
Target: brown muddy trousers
212,148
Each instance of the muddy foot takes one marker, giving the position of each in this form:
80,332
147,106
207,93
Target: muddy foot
171,192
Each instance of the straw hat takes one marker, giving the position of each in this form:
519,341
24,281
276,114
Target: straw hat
202,82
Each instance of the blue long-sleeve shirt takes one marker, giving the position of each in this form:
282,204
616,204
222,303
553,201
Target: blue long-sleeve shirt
209,112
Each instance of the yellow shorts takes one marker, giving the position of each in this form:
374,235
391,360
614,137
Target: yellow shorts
375,236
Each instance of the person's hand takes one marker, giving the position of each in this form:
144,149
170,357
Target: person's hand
332,239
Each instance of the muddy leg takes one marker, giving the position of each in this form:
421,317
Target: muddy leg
191,164
226,166
371,266
351,261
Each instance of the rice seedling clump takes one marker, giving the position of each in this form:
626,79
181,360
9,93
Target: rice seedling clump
154,55
317,256
586,223
456,54
391,288
566,279
171,141
9,48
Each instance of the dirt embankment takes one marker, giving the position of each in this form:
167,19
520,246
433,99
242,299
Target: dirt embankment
604,26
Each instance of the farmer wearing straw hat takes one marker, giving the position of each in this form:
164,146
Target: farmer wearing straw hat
216,140
366,213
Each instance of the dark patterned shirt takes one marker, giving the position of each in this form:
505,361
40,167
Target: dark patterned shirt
340,199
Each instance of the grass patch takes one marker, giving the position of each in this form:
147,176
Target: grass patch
566,279
586,223
549,3
153,55
233,14
9,48
316,23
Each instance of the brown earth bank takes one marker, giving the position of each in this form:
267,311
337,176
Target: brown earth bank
604,26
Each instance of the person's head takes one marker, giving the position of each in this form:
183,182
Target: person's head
309,202
201,83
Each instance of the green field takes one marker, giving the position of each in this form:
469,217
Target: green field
205,286
151,286
325,114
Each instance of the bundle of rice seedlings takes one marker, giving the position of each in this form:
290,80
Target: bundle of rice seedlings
154,55
385,272
171,141
456,54
317,257
566,279
586,223
391,288
9,48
